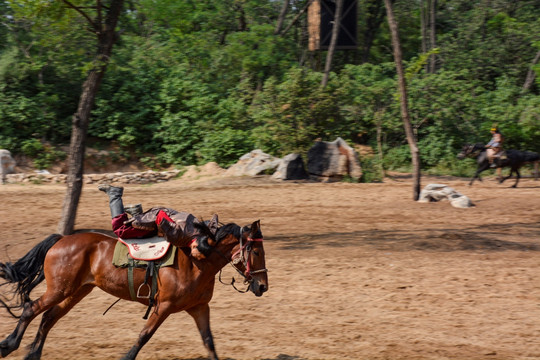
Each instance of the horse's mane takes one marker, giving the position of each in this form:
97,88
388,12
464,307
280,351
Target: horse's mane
479,146
219,235
228,229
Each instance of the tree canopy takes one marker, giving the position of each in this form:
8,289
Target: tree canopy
195,81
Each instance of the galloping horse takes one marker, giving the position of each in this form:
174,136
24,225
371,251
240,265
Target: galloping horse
73,265
515,159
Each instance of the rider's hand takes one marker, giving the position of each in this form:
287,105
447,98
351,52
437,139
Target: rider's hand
195,252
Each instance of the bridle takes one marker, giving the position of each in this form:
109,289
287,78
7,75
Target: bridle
472,151
243,255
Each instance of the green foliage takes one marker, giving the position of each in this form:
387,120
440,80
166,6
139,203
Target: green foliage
224,146
291,114
44,155
191,82
371,170
398,159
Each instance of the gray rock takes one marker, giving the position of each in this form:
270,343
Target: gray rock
331,161
438,192
253,163
291,167
7,164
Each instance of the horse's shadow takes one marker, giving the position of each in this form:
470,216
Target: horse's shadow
492,237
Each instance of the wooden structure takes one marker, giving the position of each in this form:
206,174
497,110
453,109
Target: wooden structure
321,15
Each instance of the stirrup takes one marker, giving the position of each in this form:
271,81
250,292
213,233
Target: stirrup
139,296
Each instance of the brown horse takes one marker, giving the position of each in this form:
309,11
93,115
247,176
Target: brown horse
73,265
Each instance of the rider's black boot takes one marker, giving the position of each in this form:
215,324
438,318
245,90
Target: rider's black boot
115,198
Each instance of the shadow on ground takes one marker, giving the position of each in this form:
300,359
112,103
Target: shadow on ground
495,237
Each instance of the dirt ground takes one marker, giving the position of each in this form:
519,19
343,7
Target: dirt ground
356,271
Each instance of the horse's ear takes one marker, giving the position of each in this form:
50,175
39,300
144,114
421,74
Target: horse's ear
255,227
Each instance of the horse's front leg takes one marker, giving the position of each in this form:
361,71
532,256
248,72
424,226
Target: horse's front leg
201,315
161,312
476,176
518,176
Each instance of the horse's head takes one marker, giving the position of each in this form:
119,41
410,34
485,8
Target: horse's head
470,150
243,248
250,255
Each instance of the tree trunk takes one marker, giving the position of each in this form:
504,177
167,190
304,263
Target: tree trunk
106,39
423,30
333,42
531,74
281,18
378,117
415,154
432,35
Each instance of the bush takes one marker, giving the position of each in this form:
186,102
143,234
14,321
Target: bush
44,155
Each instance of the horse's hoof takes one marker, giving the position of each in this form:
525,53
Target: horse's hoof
5,349
33,356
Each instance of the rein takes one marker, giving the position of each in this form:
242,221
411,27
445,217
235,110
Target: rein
474,151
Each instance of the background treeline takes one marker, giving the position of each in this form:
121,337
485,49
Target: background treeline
197,81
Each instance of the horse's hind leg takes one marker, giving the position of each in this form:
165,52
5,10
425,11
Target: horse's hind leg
201,315
51,317
31,309
12,342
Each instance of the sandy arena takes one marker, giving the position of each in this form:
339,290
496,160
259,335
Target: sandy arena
356,271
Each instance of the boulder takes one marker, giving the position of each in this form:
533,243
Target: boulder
332,161
7,164
254,163
438,192
291,167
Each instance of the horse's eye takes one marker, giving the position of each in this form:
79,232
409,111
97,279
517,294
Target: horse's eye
256,252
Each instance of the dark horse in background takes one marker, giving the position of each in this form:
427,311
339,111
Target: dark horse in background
514,159
73,265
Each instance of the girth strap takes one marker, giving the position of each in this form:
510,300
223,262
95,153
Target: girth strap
151,275
131,265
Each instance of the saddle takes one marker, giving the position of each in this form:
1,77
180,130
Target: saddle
147,249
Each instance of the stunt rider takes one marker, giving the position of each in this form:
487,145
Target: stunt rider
151,222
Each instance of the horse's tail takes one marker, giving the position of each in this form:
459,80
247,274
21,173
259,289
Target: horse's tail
26,273
533,156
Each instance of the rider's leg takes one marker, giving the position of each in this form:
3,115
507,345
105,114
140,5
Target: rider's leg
490,153
115,199
172,232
